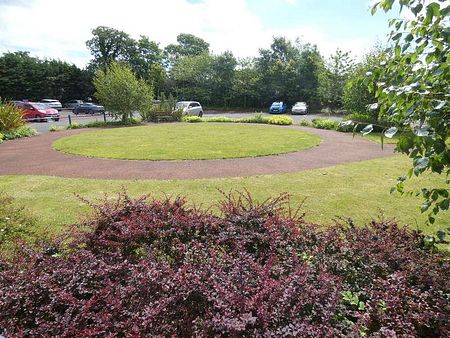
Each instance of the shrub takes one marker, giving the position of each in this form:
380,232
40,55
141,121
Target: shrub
321,123
55,128
192,119
15,223
258,118
219,119
23,131
280,120
1,138
161,268
10,117
100,124
359,117
305,123
75,125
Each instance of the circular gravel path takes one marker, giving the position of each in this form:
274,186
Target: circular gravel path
35,156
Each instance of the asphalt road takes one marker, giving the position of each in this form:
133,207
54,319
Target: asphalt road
43,127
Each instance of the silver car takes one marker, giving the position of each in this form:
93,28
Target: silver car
190,108
300,108
52,103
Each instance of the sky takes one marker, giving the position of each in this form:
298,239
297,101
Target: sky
58,29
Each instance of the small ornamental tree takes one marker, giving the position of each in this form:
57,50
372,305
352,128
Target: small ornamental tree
413,90
118,89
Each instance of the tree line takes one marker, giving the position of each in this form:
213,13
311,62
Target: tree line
188,70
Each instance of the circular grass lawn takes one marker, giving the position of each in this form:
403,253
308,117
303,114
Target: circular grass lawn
183,141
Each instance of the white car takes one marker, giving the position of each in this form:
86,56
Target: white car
300,108
52,103
190,108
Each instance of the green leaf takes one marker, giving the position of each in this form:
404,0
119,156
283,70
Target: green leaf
397,36
445,11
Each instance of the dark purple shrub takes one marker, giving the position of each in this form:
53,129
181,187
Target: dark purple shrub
160,268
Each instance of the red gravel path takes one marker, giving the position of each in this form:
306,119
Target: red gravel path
35,156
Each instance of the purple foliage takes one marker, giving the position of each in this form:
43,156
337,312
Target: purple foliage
160,268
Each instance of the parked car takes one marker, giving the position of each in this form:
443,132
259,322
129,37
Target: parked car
37,111
72,104
52,103
278,107
190,108
88,108
300,108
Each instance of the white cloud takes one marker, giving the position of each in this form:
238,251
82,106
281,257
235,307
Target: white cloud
59,29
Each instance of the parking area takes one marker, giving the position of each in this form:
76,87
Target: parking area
43,127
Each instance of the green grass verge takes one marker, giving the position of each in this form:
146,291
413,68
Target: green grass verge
358,190
187,142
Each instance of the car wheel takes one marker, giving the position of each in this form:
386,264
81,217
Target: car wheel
37,118
200,114
56,120
91,112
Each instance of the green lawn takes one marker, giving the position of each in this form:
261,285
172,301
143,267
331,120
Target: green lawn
358,190
376,137
187,142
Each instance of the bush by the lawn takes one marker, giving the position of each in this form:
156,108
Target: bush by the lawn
23,131
162,268
321,123
10,117
102,124
16,224
279,120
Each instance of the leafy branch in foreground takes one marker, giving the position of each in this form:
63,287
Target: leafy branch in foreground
413,88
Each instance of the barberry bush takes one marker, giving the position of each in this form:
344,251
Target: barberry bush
140,268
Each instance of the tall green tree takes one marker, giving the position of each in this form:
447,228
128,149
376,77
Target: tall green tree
193,77
338,69
413,90
24,76
187,45
223,74
357,97
245,86
108,45
118,89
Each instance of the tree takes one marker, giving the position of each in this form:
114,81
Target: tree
24,76
337,72
145,56
413,90
118,89
187,45
245,84
193,77
108,45
357,96
223,74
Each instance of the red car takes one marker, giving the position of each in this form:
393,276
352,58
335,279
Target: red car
35,111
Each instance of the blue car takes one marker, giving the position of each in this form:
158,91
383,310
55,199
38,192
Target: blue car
278,108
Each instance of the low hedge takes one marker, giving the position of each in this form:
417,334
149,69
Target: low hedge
23,131
278,120
321,123
162,268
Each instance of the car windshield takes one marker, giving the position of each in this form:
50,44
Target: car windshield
180,105
40,106
88,104
276,104
300,104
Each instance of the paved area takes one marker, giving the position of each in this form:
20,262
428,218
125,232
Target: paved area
43,127
35,156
